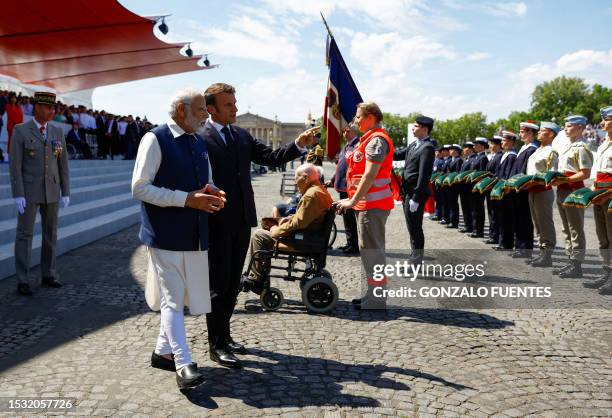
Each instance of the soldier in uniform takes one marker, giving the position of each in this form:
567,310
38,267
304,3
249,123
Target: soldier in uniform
505,216
495,156
444,192
465,190
602,176
541,198
524,224
479,163
575,161
439,162
39,177
454,166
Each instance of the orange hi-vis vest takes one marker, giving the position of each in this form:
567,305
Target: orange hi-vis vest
380,195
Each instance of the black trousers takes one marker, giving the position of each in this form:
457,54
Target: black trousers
506,218
350,225
228,247
414,221
466,206
478,212
445,193
103,145
492,208
439,213
524,223
453,205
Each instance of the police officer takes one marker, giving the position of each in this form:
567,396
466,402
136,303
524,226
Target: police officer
524,225
479,163
541,198
494,157
602,175
575,161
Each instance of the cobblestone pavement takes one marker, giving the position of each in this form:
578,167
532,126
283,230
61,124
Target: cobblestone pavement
92,340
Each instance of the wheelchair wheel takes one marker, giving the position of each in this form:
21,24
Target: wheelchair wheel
271,299
319,295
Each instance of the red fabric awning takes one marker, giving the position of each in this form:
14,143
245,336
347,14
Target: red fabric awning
73,45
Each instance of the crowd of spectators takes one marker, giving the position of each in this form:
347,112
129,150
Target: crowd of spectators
112,136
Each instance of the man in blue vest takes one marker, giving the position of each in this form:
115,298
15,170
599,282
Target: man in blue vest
172,177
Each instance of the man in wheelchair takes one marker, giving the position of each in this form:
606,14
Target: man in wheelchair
309,216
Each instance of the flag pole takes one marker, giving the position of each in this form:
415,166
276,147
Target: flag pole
326,25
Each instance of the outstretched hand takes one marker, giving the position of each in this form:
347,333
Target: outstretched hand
307,138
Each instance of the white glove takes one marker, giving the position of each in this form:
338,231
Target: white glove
65,201
21,204
413,205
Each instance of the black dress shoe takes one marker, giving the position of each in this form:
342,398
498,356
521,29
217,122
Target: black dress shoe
160,362
434,218
466,230
350,251
235,347
225,358
491,241
24,289
476,235
452,226
51,282
443,222
189,377
521,254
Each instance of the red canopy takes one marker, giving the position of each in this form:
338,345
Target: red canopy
71,45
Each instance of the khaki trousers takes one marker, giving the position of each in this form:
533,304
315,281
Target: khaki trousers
603,228
541,208
371,237
573,227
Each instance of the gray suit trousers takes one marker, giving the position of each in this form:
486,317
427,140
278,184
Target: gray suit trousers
23,240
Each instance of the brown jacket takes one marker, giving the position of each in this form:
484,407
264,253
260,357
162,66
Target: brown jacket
310,211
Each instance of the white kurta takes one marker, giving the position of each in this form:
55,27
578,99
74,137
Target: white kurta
182,276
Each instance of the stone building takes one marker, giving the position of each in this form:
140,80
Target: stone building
271,132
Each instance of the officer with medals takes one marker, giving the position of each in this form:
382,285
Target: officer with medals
494,157
479,163
541,198
602,176
575,161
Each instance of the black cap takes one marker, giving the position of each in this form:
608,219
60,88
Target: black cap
425,121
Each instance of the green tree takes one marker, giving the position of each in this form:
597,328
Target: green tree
554,100
511,122
397,126
599,96
464,128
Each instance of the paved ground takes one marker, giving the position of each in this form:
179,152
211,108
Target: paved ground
92,339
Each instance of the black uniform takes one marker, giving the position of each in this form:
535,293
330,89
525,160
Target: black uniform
506,216
465,196
453,192
524,223
493,205
479,163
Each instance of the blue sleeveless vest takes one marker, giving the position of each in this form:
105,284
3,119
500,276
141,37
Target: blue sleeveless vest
184,166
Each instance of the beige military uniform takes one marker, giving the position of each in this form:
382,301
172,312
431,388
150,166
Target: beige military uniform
541,201
603,220
39,173
573,158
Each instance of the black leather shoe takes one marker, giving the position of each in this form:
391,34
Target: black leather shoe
235,347
160,362
443,222
476,235
225,358
51,282
189,377
521,254
491,241
434,218
350,251
501,248
24,289
452,226
466,231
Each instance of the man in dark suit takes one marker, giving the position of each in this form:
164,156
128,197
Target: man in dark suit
418,165
231,150
493,205
75,139
524,223
479,163
101,135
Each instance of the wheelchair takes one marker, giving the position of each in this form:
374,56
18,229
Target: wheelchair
305,253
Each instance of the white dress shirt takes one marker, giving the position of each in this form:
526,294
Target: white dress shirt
181,276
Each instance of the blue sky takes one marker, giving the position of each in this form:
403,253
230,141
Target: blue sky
443,58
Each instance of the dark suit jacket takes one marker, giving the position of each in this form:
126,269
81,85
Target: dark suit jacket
418,166
72,137
468,164
454,165
480,162
231,171
494,162
520,165
504,170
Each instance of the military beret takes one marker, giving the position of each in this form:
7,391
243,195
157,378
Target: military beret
550,125
606,112
425,121
576,120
